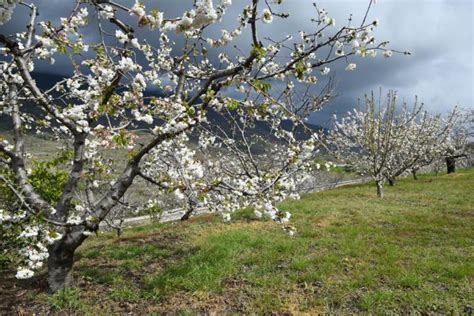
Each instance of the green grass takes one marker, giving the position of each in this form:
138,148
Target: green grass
66,300
410,252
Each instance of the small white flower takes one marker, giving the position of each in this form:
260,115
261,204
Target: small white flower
387,54
267,16
147,118
127,64
29,231
52,236
140,80
107,12
74,220
4,217
351,67
324,71
313,79
372,52
121,36
135,43
24,273
179,195
138,9
226,217
330,21
226,3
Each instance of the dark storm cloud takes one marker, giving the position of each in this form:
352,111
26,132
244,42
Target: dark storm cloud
438,33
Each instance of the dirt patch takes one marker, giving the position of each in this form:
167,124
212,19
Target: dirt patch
16,294
467,214
202,218
232,300
160,237
457,175
24,296
326,220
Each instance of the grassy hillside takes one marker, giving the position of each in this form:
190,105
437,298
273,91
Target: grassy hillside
412,251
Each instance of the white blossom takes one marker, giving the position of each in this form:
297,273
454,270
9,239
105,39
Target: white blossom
24,273
107,12
267,16
121,36
351,67
226,217
325,70
6,10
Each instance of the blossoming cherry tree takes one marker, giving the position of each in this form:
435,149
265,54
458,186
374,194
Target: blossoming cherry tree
196,137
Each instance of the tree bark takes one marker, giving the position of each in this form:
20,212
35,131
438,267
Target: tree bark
61,260
415,177
451,164
379,189
391,181
187,215
60,263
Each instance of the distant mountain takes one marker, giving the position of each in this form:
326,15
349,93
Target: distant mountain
45,81
262,128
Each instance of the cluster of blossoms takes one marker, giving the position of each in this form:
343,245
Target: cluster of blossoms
325,18
106,11
267,16
6,10
32,240
202,15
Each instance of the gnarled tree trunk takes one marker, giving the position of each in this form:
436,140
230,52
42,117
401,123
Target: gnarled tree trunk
61,260
413,172
451,164
379,188
391,181
187,215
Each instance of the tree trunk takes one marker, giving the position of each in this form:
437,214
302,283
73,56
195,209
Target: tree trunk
391,181
379,189
61,260
60,263
451,164
190,210
415,177
187,215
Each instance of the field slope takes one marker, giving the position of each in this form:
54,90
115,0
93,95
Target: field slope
412,251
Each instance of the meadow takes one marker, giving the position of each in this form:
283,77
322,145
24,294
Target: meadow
413,251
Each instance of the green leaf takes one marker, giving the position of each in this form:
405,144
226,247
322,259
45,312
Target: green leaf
232,104
258,52
62,49
120,139
261,86
300,70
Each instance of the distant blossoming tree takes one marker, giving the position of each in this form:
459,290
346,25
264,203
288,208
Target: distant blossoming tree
457,143
384,142
191,139
423,139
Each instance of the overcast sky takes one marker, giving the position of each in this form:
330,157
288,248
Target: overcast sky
438,33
